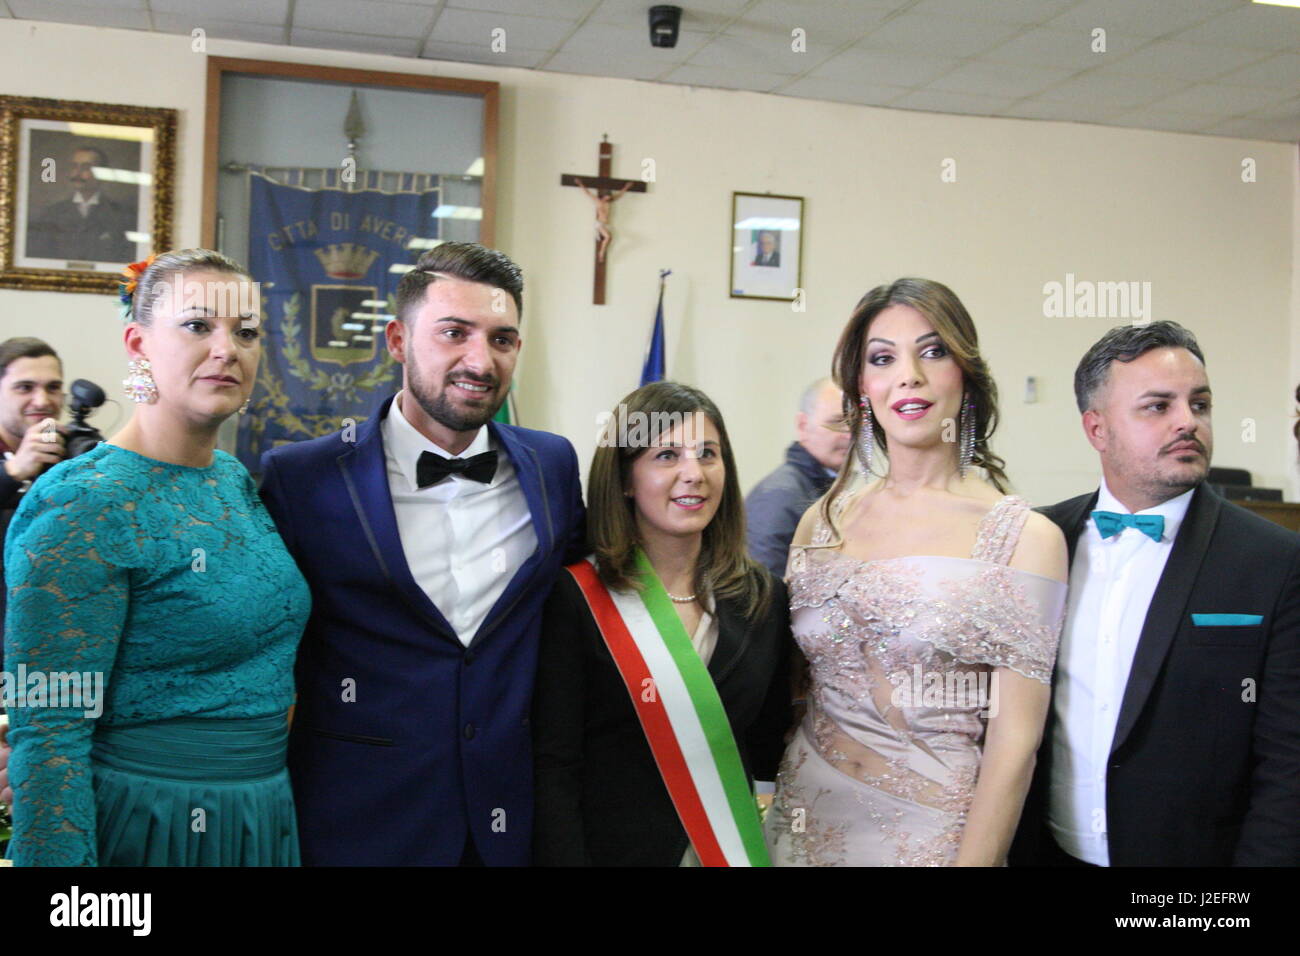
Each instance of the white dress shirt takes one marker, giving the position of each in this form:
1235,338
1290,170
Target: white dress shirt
1112,582
84,204
463,540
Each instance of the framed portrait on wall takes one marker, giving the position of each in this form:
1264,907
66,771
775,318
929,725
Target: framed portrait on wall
85,188
766,246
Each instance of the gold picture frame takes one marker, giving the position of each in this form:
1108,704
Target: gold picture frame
85,188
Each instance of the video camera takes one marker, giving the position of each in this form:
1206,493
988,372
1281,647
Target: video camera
81,437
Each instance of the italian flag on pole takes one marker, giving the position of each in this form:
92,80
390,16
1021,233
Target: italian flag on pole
681,714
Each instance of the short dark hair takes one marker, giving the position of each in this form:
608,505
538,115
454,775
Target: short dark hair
1124,343
24,347
87,148
470,261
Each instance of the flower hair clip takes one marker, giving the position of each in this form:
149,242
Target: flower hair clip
131,278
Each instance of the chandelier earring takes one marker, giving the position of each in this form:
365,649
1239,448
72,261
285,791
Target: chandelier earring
967,434
139,384
866,440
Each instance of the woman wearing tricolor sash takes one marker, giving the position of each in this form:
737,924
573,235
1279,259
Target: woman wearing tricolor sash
663,687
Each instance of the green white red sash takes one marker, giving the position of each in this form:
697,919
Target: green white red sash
681,714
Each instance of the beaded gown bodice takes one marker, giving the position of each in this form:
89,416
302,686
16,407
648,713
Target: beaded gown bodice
902,655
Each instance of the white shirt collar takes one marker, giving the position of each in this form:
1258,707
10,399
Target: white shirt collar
406,443
1173,511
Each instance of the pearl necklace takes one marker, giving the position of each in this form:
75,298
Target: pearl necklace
679,600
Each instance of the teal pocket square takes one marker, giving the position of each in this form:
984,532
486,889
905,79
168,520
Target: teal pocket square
1227,620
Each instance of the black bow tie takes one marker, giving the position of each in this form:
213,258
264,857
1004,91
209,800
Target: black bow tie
431,468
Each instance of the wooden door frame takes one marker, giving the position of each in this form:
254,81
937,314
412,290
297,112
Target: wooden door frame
219,66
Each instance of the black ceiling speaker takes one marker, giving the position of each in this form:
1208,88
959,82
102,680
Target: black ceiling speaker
664,21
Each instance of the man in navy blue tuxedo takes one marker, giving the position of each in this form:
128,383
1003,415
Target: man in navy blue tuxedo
430,537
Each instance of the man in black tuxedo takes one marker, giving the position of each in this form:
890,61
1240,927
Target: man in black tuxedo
1174,733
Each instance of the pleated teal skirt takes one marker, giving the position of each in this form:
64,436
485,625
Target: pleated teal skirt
195,792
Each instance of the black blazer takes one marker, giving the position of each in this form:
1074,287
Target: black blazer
600,800
1205,765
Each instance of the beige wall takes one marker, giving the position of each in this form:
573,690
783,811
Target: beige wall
1033,201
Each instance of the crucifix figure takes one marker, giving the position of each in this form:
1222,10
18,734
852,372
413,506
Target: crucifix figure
603,235
603,190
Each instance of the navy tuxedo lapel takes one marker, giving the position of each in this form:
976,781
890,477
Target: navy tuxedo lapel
364,470
532,481
1165,615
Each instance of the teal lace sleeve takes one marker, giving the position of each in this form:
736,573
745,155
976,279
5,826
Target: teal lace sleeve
67,562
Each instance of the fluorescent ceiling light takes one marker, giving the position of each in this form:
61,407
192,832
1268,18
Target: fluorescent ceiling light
458,212
140,134
1280,3
106,174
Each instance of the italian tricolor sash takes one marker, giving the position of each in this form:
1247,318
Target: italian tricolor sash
681,714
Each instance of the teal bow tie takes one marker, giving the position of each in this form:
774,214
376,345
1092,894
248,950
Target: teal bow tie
1109,523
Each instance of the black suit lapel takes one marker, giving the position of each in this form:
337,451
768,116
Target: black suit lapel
733,640
1165,615
1072,517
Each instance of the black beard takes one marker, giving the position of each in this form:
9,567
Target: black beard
442,411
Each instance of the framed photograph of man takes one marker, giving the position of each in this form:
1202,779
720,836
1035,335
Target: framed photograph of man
85,188
766,246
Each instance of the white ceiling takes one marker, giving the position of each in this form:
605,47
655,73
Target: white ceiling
1223,67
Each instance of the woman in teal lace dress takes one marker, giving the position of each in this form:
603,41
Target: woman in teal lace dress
149,567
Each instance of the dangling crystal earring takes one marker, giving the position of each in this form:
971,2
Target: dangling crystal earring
243,409
866,440
967,435
139,384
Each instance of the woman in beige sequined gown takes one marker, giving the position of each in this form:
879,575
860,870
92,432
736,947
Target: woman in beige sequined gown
928,603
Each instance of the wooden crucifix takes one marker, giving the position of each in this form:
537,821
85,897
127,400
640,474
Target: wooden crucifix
603,190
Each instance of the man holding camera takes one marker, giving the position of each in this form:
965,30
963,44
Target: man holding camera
31,401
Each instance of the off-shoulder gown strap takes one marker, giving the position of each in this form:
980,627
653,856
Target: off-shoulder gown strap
999,530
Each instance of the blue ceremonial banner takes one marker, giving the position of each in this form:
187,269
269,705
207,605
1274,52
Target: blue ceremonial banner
323,258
